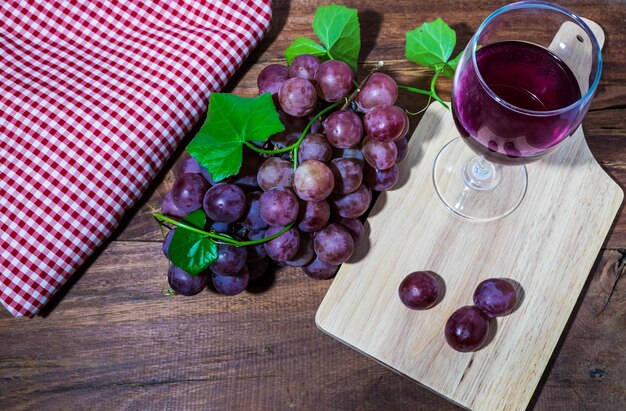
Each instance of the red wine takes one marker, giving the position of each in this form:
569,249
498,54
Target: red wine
527,77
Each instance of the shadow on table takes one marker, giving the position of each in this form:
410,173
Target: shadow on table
264,282
372,20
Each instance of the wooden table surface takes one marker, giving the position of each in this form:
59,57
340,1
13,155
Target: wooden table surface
111,339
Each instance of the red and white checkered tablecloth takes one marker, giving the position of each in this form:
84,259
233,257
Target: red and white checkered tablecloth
95,95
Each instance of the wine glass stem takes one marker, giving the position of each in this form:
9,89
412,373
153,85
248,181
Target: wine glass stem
480,174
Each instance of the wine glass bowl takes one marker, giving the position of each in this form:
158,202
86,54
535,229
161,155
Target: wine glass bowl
523,85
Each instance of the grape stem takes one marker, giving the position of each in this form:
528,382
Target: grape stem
356,92
423,108
432,93
432,87
294,147
214,236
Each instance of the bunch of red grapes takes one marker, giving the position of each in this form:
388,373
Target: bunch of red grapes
345,154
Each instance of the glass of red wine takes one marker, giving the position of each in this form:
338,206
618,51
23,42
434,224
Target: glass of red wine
523,85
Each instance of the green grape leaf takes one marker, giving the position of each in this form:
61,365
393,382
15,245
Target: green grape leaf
192,251
431,44
450,67
338,29
303,45
231,120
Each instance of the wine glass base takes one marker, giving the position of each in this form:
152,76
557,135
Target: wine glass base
470,194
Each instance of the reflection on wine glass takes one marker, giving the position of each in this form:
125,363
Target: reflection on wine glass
523,85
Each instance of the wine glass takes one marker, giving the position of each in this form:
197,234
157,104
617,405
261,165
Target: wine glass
523,85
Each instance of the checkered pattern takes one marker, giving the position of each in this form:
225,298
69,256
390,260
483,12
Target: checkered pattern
95,95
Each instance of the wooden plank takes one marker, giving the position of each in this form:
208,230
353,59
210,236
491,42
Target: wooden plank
590,358
115,342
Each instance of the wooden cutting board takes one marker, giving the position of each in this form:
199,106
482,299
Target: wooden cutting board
548,245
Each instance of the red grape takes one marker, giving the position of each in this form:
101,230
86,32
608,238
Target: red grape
496,297
313,181
219,227
402,145
316,125
255,252
224,202
405,131
314,147
385,123
252,219
352,153
379,154
231,284
285,246
467,328
333,244
354,204
379,89
304,66
169,208
188,191
278,206
334,80
380,180
271,78
419,290
343,128
313,216
188,165
347,173
230,259
207,176
297,97
319,270
354,227
275,172
166,243
185,283
305,252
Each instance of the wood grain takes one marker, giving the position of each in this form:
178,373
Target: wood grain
117,343
112,341
548,246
